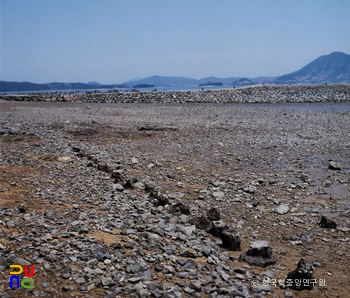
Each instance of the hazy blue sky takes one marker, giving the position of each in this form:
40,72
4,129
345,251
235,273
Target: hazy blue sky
112,41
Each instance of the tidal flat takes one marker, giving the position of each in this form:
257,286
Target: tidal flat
116,199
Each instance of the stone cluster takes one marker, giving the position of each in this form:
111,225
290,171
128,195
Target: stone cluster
258,94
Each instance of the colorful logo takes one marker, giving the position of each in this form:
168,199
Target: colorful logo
27,282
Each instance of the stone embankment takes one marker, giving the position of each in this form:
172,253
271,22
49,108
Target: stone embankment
260,94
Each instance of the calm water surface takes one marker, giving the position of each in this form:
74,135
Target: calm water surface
343,107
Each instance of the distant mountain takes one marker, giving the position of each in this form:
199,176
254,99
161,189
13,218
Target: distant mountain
244,82
225,81
93,83
134,80
263,80
209,83
143,86
27,86
160,81
333,68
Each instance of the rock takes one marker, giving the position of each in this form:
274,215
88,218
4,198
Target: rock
196,285
282,209
259,254
306,238
302,277
217,228
21,208
66,275
334,166
219,195
213,214
255,202
176,196
10,224
160,199
150,185
260,287
297,242
188,230
80,280
134,280
47,237
230,240
183,274
104,167
83,216
118,187
134,160
201,222
250,189
130,183
179,208
343,229
328,223
117,174
135,268
92,262
183,218
185,252
21,261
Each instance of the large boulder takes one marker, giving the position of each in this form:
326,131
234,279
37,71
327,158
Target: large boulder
230,240
259,254
302,277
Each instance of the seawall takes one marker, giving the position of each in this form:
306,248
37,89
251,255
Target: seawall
257,94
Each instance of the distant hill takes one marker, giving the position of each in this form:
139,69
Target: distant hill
27,86
244,82
225,81
160,81
93,83
143,86
333,68
211,84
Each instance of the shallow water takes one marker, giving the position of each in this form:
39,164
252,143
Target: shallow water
343,107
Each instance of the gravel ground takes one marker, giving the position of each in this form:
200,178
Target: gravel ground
124,200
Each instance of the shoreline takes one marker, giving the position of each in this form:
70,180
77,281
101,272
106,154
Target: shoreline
257,94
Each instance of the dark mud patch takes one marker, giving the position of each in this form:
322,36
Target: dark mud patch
109,134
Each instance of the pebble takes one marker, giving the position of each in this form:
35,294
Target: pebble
282,209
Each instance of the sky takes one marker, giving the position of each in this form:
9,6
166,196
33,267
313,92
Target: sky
114,41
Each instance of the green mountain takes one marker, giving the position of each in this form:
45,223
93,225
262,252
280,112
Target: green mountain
332,68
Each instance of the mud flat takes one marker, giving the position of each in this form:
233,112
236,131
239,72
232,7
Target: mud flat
124,200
